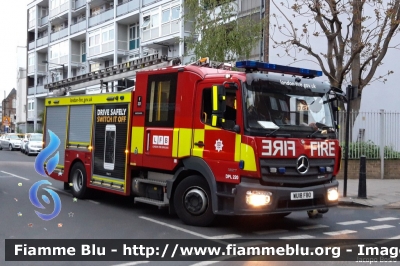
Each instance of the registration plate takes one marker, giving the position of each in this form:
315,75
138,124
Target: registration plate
301,195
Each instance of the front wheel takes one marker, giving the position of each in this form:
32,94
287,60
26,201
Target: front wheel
324,210
10,147
77,177
193,203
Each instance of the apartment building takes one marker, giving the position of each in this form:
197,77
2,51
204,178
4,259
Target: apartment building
68,38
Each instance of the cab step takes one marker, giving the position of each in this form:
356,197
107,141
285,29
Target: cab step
158,203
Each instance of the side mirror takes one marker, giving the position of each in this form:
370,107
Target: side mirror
218,105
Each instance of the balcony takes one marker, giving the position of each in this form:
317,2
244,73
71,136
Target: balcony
75,58
78,4
41,69
127,7
170,27
31,91
31,23
102,17
31,69
40,89
58,35
43,21
42,41
78,26
58,10
31,45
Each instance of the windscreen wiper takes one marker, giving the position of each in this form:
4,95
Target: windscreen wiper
273,134
320,128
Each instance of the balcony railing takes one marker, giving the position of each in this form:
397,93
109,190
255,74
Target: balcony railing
43,21
58,10
31,69
58,35
100,18
123,45
127,7
78,4
78,26
107,47
42,41
170,27
41,68
40,89
75,58
31,45
31,91
31,23
151,34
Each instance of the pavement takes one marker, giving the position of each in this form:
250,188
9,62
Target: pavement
380,193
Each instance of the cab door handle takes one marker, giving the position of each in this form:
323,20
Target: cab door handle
200,144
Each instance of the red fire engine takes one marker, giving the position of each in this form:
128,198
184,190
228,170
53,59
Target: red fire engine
168,142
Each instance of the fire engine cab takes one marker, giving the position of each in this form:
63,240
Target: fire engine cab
169,143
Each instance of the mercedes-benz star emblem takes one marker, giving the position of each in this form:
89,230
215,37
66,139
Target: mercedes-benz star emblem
302,164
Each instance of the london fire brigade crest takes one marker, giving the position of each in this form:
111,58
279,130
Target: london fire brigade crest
218,145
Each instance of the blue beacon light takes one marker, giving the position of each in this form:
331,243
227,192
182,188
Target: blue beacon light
262,66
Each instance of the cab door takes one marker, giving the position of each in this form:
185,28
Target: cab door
217,146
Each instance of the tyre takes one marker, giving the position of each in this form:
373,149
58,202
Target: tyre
77,176
1,147
324,210
10,148
193,203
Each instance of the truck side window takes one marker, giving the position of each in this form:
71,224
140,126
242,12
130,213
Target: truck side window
161,100
206,109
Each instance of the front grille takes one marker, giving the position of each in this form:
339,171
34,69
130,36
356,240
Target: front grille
291,177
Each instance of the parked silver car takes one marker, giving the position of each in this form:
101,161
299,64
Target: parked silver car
34,144
11,141
24,141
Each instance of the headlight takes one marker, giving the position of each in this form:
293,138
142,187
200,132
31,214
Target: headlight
333,194
258,198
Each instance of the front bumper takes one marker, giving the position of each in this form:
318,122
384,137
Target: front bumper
33,150
280,199
16,146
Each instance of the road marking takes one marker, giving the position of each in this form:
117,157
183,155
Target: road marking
316,226
385,219
191,232
95,202
132,263
353,222
229,236
342,232
17,176
378,227
297,237
267,232
390,239
60,191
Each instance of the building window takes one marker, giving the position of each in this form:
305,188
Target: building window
83,54
134,37
94,67
160,110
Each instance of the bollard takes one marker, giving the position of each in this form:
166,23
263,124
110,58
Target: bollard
362,182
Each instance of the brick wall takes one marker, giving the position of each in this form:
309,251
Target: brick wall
392,169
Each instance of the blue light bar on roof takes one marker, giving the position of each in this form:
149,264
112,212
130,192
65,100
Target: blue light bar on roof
262,66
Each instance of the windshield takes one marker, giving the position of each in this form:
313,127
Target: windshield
13,137
270,109
36,138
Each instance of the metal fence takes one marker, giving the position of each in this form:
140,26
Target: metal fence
373,134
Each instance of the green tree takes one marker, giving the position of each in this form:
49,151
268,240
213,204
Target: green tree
219,31
355,34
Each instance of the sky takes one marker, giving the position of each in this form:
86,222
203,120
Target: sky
13,29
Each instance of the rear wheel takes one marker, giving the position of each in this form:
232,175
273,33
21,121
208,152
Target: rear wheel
78,179
193,203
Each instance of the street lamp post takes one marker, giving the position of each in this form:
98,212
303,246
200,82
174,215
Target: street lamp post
63,66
